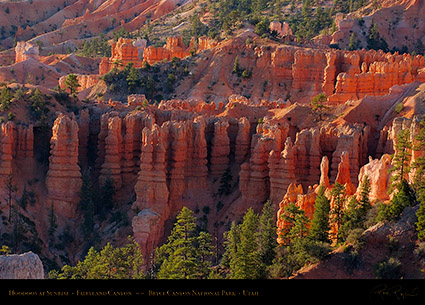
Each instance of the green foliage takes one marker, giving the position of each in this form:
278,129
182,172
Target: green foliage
133,79
320,223
71,83
403,198
187,253
356,213
110,263
155,82
399,108
318,105
197,27
388,269
337,211
267,234
236,68
262,27
352,44
38,106
401,158
97,47
374,39
250,247
5,98
245,257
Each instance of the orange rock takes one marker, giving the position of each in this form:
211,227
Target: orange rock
174,47
63,181
324,172
377,170
220,148
111,167
85,81
24,50
242,140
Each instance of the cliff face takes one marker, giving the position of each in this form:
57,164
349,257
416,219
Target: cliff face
298,74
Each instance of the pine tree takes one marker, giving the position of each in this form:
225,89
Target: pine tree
248,258
289,217
404,197
401,159
338,192
110,263
319,229
420,214
419,180
231,242
364,194
236,67
180,257
318,105
267,234
225,183
71,82
133,79
352,43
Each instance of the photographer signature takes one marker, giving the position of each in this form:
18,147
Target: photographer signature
396,291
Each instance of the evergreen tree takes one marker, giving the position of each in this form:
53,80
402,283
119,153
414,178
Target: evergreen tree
236,68
186,253
71,82
318,105
401,159
133,79
231,242
364,194
267,234
352,43
374,39
225,183
5,98
248,257
419,180
337,212
420,214
319,229
11,189
403,198
289,217
110,263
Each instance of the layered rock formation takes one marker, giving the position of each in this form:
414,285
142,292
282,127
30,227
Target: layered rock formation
24,50
123,52
300,73
85,81
21,266
174,47
63,180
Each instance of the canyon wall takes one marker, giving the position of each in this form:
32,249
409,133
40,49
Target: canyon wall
180,153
